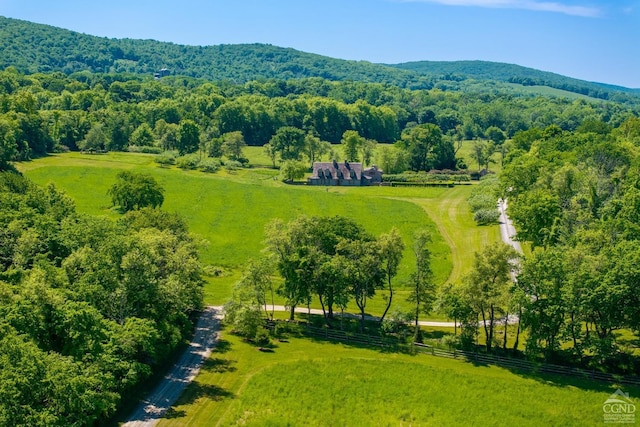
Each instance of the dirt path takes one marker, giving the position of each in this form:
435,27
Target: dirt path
152,409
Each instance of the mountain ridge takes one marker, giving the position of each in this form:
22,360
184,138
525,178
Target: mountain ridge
32,48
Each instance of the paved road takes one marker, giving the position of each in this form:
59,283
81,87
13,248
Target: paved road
319,311
184,371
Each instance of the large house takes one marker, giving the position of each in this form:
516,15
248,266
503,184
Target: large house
347,173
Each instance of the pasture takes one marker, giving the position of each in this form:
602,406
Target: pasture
318,383
228,211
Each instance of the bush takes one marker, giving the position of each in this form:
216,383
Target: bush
262,337
209,165
481,201
232,165
427,177
451,341
144,149
166,158
285,329
486,216
188,162
245,320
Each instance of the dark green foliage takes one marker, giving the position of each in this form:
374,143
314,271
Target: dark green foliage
332,257
456,71
188,137
135,191
483,201
574,197
88,307
39,48
427,148
288,142
426,177
486,216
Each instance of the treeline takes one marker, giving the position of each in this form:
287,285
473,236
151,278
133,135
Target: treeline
459,73
41,113
89,307
575,198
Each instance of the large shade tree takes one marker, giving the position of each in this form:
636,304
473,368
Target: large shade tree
135,191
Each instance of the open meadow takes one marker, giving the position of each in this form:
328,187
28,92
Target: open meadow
228,210
317,383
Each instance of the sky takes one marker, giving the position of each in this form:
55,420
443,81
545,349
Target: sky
592,40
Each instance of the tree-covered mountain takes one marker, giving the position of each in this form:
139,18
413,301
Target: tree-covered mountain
35,48
32,48
511,73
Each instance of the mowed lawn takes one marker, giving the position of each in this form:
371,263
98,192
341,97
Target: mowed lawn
229,211
306,382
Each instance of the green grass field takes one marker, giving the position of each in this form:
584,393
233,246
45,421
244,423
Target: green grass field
316,383
229,210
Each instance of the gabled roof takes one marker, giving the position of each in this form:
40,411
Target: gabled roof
335,170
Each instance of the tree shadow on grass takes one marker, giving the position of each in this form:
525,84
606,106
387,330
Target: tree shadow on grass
222,346
574,380
195,391
218,365
581,382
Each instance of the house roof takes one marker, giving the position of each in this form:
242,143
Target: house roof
335,170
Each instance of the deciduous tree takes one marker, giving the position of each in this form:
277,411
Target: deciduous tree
135,191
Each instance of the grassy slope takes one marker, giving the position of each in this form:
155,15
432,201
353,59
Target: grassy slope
296,385
230,211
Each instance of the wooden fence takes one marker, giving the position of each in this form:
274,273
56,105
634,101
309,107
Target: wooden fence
526,365
474,357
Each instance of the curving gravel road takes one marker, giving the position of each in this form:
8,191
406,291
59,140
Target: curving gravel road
183,372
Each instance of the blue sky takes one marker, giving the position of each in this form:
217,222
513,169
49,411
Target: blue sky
593,40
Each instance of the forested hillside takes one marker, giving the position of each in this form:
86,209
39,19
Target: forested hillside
89,307
41,48
35,48
41,113
510,73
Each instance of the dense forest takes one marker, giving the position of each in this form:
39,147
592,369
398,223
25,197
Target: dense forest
510,73
89,307
33,48
575,196
41,113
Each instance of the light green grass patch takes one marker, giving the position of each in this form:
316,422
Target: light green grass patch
230,210
315,383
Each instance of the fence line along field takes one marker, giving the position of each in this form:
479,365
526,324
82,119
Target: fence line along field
319,383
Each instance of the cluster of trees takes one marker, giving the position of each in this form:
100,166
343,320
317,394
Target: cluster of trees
575,197
40,113
89,307
333,259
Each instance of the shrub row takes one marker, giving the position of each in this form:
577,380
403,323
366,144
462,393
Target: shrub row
483,201
426,177
194,161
